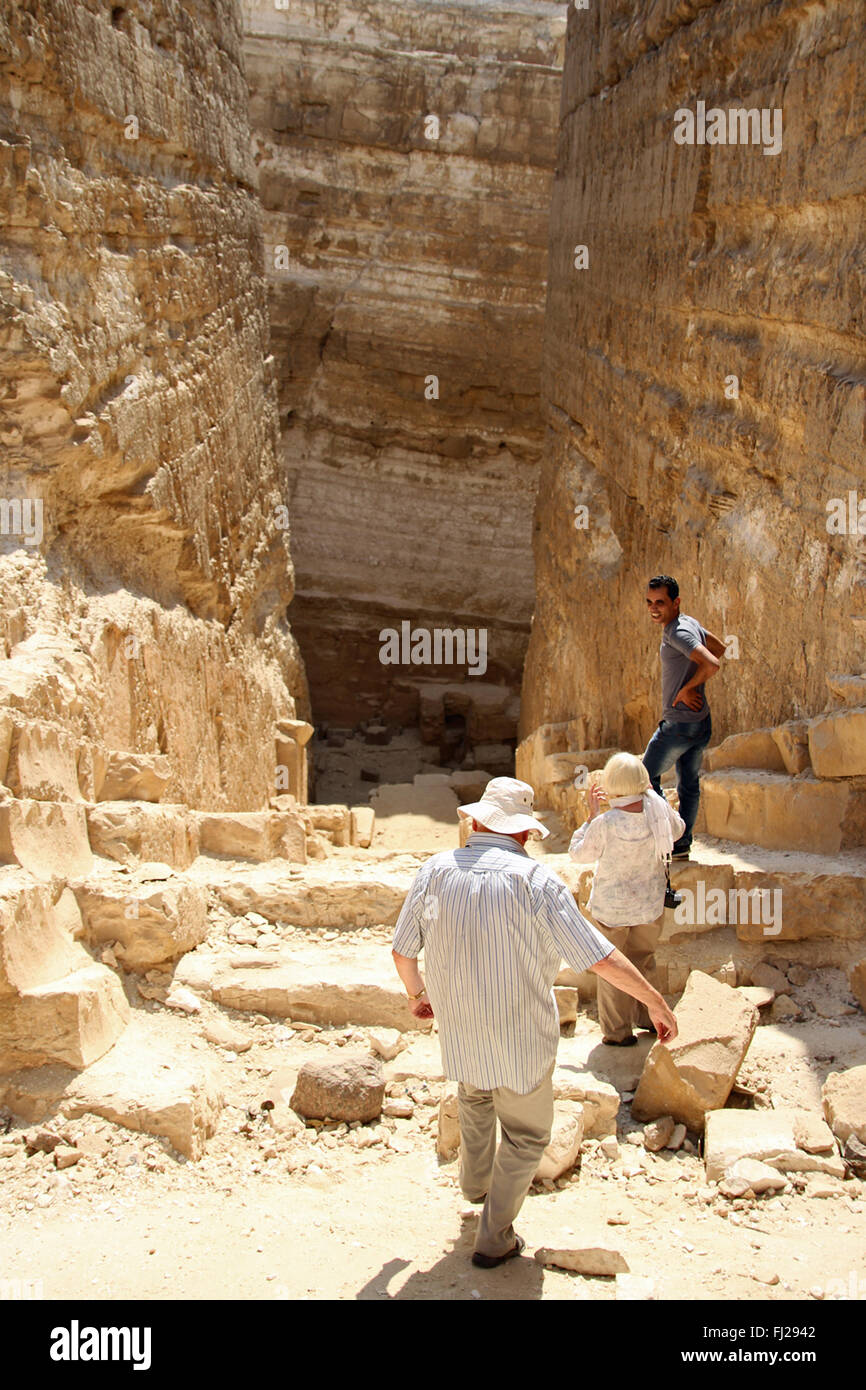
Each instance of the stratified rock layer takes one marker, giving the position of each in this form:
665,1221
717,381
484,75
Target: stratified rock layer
703,375
145,594
145,655
397,253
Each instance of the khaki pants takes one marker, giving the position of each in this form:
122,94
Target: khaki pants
505,1173
619,1013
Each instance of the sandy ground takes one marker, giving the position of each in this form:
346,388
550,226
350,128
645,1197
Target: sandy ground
388,1221
371,1212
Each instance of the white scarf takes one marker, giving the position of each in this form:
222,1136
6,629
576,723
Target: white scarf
658,818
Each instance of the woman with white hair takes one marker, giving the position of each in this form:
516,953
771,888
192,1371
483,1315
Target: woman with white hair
631,844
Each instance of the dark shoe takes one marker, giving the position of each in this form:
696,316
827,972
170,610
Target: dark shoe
491,1261
648,1028
621,1042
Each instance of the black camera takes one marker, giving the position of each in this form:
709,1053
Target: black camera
672,898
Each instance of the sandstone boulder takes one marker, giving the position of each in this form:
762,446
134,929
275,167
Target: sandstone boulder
566,1138
151,1087
56,1005
769,977
257,835
857,983
758,1176
224,1034
7,729
695,1073
46,837
73,1020
769,1136
387,1043
43,763
362,826
792,741
351,1088
594,1261
566,1002
844,1098
658,1135
837,743
152,922
133,832
600,1099
756,748
448,1130
135,777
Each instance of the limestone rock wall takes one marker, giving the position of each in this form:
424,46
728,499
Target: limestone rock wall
396,253
706,262
143,523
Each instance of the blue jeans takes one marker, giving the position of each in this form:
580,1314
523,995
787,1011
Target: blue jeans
684,745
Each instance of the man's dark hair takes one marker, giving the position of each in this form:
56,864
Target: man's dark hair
664,581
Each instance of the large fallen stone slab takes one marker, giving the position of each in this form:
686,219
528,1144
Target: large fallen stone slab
134,777
844,1098
345,1088
767,1135
335,894
256,835
133,832
694,1074
154,921
153,1087
338,983
46,837
566,1138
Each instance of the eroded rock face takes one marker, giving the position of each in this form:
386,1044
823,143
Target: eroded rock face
143,537
723,483
398,253
145,655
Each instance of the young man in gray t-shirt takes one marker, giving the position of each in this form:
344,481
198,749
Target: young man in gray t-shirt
690,657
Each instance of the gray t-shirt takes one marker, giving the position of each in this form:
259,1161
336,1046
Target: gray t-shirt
678,642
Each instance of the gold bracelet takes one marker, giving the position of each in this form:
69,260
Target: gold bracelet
423,990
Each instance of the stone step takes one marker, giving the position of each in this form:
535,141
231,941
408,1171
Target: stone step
776,811
339,893
56,1004
341,982
151,1085
768,894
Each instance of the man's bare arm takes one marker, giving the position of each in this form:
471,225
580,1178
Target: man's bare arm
407,969
714,645
618,970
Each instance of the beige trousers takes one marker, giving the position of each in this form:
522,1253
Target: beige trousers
620,1013
504,1174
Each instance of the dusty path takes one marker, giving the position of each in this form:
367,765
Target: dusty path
384,1221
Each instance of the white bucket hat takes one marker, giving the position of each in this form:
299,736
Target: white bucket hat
505,807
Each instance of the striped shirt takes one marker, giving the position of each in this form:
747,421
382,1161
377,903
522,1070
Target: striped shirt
494,926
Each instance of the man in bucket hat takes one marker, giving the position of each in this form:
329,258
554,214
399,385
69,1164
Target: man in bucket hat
495,925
